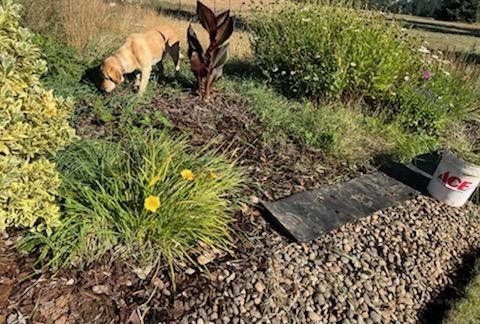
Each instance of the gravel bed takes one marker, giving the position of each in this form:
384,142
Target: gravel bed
385,268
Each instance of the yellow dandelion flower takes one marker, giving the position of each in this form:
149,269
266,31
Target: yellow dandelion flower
154,181
187,175
152,203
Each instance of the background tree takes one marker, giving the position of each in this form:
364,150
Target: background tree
453,10
459,10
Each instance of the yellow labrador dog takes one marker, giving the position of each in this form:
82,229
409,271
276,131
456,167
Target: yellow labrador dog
140,52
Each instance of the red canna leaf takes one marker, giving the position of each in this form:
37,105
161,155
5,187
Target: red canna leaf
222,17
220,56
193,43
207,18
207,66
225,30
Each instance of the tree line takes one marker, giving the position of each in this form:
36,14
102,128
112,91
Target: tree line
451,10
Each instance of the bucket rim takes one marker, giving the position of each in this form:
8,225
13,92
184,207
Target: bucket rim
472,169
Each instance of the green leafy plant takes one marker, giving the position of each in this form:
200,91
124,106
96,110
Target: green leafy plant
65,66
207,66
152,197
33,127
463,146
433,100
339,53
324,51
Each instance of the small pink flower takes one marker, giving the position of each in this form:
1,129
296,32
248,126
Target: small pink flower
427,75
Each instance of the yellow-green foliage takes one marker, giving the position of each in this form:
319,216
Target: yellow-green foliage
33,127
28,192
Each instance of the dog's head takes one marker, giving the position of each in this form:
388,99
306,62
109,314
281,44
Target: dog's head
112,74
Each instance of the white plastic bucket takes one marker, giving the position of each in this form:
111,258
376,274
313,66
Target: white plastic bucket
454,181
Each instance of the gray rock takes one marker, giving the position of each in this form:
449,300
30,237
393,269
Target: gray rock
314,317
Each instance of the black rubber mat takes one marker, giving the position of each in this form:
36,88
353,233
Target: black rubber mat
307,215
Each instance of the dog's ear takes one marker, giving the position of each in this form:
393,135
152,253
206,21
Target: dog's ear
116,75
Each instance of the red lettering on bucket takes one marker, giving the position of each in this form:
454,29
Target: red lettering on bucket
444,177
453,182
464,186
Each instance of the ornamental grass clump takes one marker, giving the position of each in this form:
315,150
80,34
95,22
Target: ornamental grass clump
152,198
33,127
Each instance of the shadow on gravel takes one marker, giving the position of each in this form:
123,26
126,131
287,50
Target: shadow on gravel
416,174
437,310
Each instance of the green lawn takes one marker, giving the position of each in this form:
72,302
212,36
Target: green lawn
443,41
467,310
461,38
439,23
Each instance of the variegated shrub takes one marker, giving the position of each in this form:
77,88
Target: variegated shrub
33,127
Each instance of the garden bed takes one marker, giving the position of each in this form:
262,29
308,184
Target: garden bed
277,168
389,266
254,281
226,123
110,289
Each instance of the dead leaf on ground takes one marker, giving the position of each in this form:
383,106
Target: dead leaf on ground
205,259
5,291
143,273
134,318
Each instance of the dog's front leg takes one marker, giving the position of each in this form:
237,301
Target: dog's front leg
138,78
175,54
146,71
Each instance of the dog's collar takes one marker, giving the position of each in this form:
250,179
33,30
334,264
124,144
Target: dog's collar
161,34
